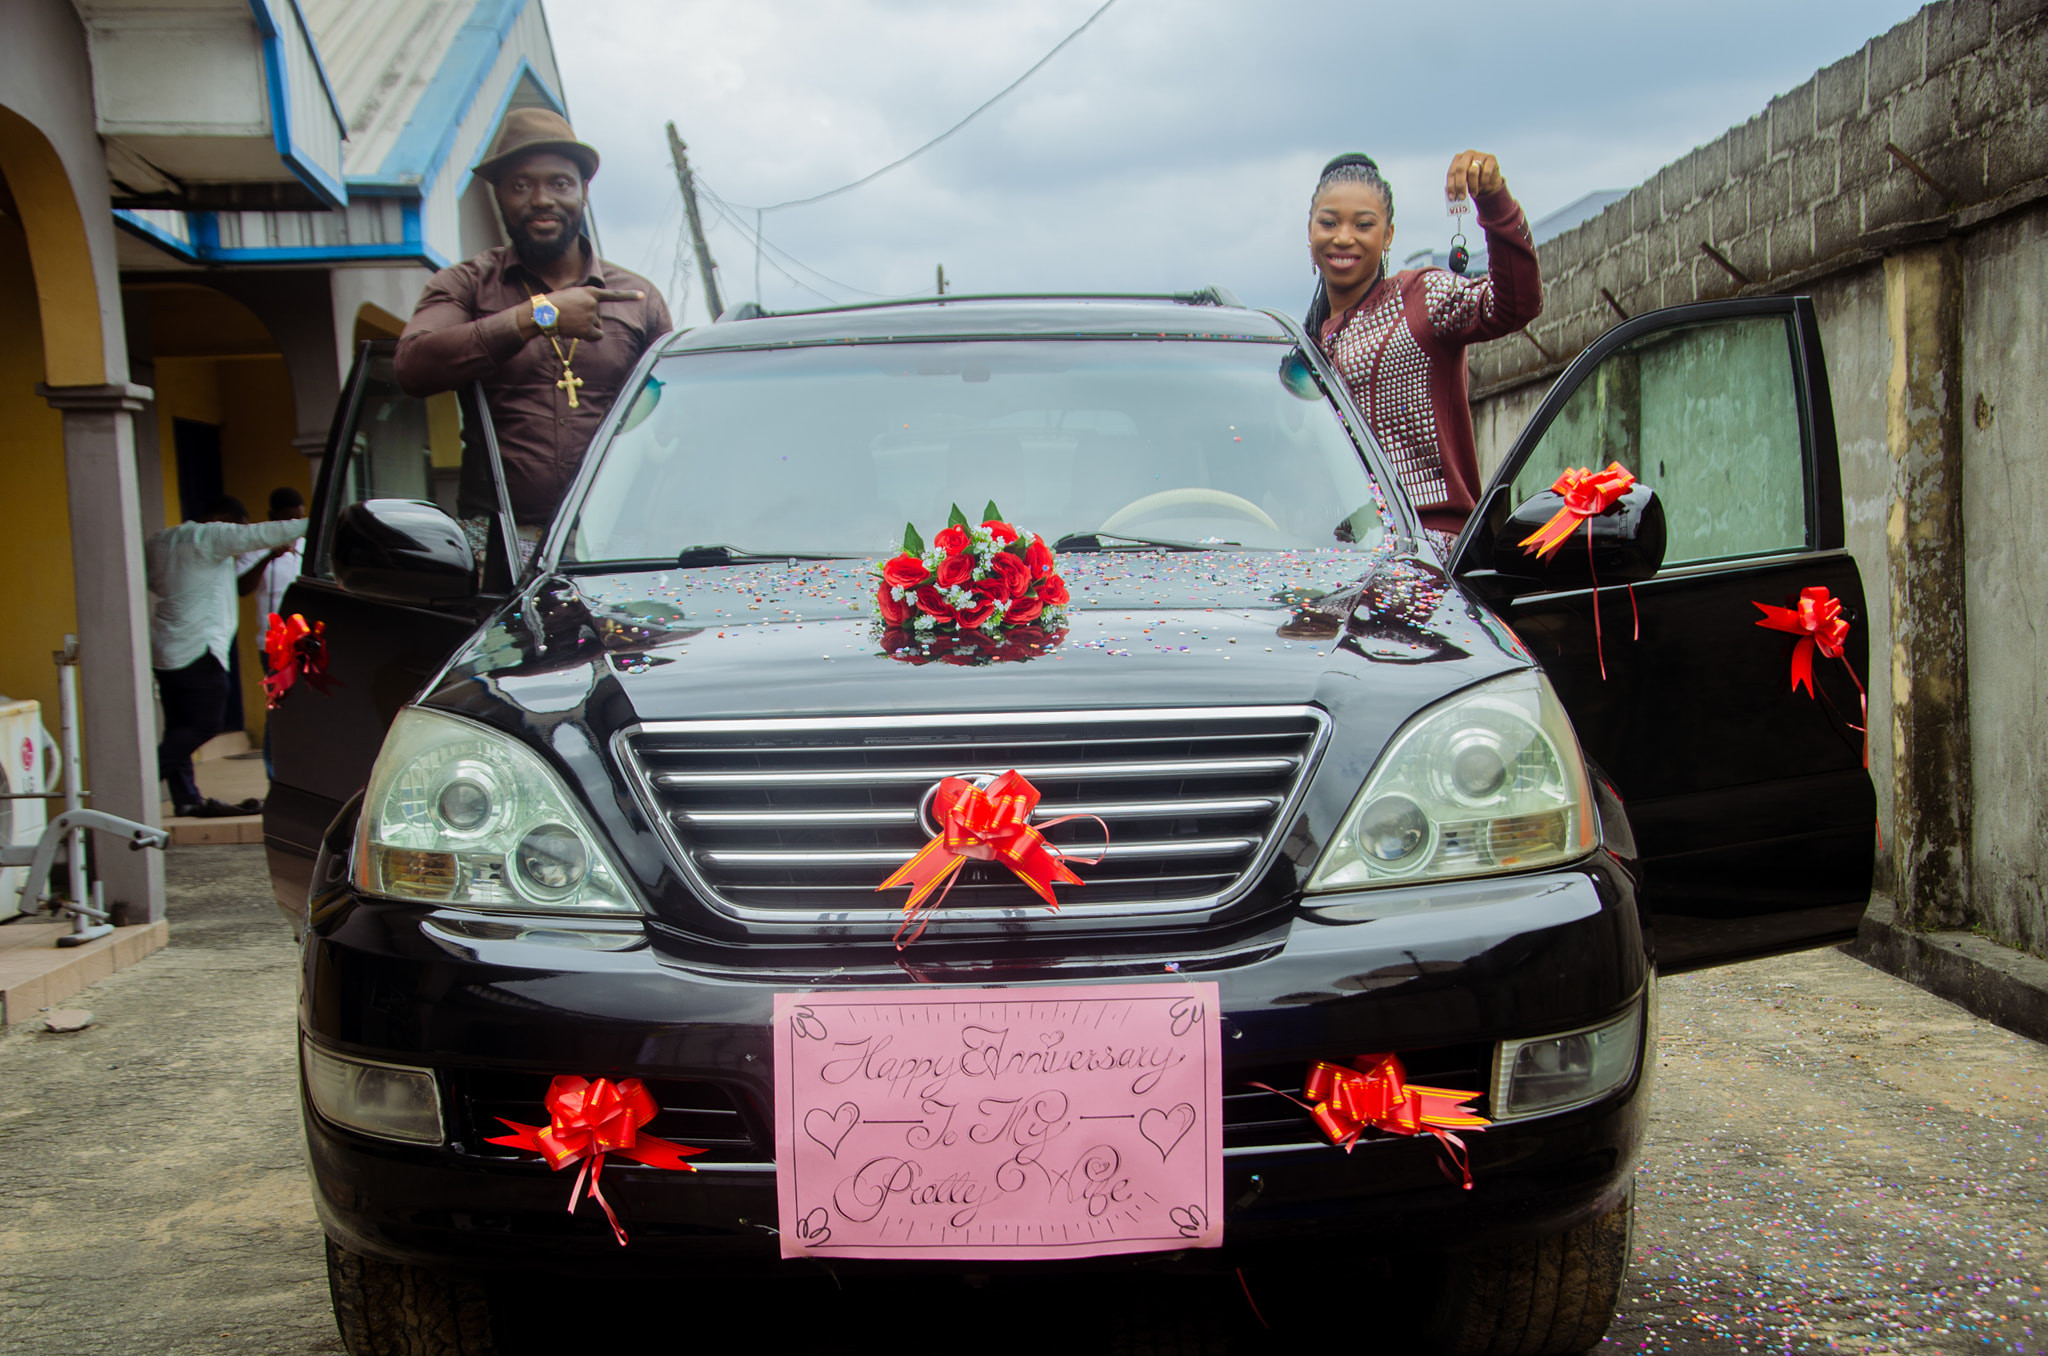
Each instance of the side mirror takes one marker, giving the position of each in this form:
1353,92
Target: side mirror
402,551
1628,542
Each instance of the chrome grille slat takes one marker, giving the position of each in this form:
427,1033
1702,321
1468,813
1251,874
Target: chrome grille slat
1208,847
799,819
975,767
1129,809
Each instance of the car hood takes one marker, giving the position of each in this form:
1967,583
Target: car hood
801,638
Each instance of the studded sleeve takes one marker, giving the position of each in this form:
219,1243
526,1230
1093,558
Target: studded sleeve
1469,310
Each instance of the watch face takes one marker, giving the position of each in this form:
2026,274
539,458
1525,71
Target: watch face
544,313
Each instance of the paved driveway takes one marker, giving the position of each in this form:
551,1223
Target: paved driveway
1839,1162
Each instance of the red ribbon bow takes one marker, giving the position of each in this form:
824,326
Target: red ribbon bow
1376,1092
1819,624
1587,494
293,649
987,826
589,1120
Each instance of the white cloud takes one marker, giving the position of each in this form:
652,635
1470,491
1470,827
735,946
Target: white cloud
1174,144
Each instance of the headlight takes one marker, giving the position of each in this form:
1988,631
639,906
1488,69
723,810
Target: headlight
1557,1073
459,814
1486,782
389,1101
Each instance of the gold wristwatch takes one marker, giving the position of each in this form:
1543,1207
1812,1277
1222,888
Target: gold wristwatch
546,314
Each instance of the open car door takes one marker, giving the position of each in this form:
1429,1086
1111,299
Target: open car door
383,444
1752,807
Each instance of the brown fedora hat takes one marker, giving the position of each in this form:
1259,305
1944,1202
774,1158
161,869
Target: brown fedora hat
526,130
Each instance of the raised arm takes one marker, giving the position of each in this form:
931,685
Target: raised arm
223,540
1511,293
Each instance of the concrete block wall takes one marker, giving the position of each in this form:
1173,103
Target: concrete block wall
1807,186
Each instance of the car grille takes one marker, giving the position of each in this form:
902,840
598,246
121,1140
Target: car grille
701,1115
781,819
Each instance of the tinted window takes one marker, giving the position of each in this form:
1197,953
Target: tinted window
1708,416
833,449
397,446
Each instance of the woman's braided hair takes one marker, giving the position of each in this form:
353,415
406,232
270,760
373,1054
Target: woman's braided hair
1352,168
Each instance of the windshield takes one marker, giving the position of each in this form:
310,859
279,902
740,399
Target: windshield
1094,444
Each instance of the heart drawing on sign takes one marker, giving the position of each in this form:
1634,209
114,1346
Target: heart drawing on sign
830,1128
1164,1128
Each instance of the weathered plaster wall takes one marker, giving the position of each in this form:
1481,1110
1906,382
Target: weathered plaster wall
2005,506
1859,351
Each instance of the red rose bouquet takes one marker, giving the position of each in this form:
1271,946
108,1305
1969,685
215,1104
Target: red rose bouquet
983,578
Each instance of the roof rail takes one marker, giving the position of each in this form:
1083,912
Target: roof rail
1207,296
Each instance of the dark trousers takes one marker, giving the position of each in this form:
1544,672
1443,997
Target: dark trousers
195,702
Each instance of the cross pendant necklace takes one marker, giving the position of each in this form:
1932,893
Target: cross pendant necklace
570,381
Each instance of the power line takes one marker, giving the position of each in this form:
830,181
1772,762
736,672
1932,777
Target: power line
731,211
990,103
733,220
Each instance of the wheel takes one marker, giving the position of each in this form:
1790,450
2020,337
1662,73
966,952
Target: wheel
1548,1297
384,1309
1235,504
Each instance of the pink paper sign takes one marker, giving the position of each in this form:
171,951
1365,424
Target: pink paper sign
999,1123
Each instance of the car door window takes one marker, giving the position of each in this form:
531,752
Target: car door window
399,446
1709,416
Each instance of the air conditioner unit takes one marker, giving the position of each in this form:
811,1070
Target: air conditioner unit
25,768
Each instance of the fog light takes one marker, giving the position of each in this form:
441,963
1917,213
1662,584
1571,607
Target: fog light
1556,1073
389,1101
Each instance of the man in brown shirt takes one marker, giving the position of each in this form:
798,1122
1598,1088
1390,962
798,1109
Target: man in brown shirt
551,330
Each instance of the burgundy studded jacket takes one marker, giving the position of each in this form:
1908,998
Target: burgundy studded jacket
1401,350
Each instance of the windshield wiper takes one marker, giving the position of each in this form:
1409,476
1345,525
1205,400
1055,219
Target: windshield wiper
718,553
1101,541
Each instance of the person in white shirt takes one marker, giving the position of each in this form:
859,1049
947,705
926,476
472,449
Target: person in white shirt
191,570
267,574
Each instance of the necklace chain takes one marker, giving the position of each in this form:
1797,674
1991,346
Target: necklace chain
570,381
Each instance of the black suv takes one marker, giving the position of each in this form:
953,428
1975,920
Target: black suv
589,814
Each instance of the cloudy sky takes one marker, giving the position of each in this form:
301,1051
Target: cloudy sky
1171,145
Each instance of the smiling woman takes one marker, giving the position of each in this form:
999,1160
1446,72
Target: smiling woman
1399,338
831,450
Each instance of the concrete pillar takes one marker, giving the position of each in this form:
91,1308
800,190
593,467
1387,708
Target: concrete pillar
149,472
1931,837
115,682
313,447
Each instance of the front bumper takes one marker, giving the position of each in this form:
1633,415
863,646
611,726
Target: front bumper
1489,960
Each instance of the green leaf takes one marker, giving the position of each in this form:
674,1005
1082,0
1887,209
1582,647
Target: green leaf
912,543
992,514
1018,548
956,518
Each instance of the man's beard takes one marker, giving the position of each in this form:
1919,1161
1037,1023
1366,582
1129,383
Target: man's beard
540,253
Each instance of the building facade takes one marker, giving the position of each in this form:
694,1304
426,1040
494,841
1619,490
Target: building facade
204,209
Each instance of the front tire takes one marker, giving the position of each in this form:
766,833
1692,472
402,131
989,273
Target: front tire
1546,1297
384,1309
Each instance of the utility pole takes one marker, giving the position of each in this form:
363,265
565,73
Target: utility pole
942,280
709,270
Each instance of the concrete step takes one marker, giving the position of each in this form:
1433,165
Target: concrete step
36,973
